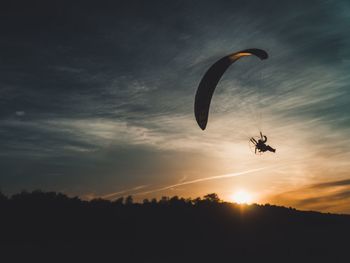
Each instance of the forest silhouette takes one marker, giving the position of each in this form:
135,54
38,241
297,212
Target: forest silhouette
56,227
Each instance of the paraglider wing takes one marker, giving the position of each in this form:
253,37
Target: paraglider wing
211,78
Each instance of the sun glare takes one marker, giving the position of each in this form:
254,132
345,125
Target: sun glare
242,197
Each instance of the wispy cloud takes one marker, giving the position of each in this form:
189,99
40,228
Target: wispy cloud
115,110
334,183
331,196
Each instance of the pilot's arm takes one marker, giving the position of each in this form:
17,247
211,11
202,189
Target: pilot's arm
263,138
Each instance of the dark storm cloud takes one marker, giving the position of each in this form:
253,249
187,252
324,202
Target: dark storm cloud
80,77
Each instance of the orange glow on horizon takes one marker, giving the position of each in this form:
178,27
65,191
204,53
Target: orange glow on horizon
242,197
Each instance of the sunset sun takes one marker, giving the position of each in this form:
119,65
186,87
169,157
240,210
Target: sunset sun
242,197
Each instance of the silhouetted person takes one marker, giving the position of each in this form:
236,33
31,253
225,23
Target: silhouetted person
260,145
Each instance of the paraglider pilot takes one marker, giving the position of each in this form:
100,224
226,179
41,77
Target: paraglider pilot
260,144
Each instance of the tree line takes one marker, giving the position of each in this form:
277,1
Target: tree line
169,229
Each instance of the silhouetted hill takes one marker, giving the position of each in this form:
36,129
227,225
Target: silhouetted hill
55,227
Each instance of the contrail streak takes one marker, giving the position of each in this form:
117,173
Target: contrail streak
110,195
202,180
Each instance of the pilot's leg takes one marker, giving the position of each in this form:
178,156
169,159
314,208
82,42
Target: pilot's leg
269,148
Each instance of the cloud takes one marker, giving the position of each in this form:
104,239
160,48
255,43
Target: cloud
331,184
107,93
330,196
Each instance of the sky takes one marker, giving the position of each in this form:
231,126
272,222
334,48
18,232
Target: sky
96,100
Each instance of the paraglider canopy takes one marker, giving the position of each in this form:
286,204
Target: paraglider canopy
211,78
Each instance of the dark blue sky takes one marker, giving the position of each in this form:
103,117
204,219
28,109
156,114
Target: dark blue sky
96,99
